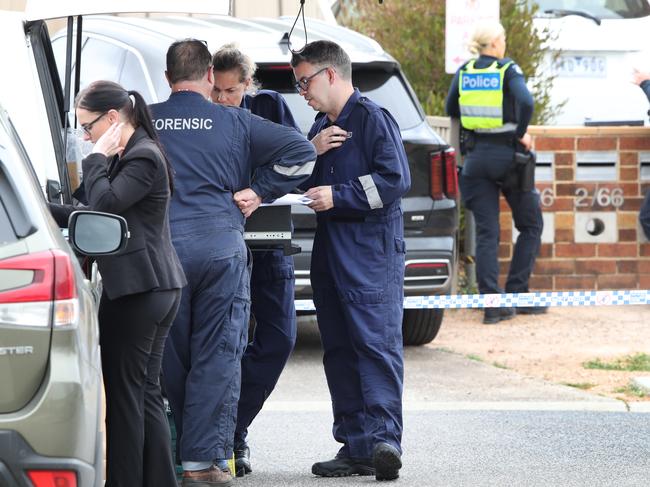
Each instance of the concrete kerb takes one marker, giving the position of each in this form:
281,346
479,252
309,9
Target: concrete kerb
642,383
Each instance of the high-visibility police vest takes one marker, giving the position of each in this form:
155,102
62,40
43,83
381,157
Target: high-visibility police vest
481,98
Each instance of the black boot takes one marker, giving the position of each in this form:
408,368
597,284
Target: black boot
243,460
532,310
343,467
493,315
387,461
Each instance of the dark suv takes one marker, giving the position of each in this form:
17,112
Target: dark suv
131,51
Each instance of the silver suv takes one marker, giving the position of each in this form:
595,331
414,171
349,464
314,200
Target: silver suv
50,400
131,51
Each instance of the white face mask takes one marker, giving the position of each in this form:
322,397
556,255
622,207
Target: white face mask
85,147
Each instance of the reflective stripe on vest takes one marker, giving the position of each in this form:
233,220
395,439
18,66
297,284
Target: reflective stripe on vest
481,97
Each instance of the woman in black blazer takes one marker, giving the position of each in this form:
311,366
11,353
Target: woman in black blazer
128,174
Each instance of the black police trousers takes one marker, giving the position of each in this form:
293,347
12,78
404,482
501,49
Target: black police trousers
486,167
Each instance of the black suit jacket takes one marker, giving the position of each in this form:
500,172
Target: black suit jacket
135,186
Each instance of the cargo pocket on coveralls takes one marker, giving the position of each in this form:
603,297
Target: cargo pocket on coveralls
245,297
400,256
368,264
239,312
369,309
283,272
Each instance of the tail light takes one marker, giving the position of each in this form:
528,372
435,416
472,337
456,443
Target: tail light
416,268
437,181
444,177
451,173
278,67
53,478
48,291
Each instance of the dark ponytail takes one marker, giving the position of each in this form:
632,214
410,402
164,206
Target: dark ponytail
142,118
102,96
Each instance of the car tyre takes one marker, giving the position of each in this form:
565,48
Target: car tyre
421,326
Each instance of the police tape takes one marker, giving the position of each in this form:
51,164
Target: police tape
520,300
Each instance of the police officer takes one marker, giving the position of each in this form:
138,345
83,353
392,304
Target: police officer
357,265
272,278
490,97
213,150
643,80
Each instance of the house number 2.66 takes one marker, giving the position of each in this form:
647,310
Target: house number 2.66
601,197
583,199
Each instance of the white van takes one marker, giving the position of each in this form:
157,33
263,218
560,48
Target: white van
600,43
31,90
50,400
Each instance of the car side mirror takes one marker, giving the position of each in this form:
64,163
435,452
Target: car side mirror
95,233
53,189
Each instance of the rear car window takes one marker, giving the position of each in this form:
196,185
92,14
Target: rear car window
602,9
16,174
7,234
384,88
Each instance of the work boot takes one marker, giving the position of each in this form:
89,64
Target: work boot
243,460
493,315
387,461
343,467
209,477
532,310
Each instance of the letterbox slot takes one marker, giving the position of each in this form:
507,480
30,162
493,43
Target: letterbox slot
544,166
644,162
596,166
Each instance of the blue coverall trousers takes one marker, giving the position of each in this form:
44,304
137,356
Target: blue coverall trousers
357,275
272,297
201,363
480,192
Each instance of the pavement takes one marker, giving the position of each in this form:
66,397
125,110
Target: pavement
642,383
438,380
466,423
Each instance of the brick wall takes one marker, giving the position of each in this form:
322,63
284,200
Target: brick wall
591,181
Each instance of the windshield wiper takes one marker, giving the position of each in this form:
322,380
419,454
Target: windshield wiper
563,13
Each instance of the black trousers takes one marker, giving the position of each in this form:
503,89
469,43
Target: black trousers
132,334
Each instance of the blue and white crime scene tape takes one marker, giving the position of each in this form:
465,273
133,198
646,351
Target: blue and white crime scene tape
550,298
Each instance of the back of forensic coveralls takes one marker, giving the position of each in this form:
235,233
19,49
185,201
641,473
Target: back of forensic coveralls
213,150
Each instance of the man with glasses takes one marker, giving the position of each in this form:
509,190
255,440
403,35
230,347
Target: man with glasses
357,265
214,150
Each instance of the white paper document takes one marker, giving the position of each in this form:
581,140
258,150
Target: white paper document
290,199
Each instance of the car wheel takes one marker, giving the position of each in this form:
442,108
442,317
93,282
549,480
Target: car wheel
421,326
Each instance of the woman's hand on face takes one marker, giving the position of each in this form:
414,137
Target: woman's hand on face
109,143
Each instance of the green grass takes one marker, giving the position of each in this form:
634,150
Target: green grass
631,390
580,385
632,363
444,349
477,358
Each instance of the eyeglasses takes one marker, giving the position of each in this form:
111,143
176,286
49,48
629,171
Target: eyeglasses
303,83
87,127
